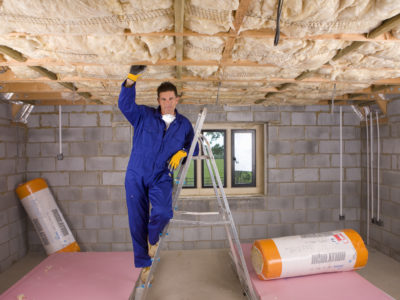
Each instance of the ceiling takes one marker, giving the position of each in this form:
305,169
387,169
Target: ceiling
215,51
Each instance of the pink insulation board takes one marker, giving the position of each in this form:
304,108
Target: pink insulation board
329,286
78,275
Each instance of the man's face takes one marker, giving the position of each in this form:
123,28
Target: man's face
168,102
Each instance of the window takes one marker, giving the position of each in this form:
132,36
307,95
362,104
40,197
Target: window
239,154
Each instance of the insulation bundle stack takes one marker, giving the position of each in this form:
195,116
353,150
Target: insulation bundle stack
299,255
46,217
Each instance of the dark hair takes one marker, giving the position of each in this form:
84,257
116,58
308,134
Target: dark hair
165,87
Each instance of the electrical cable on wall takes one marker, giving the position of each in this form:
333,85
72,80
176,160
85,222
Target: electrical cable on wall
341,216
278,18
367,144
372,165
60,155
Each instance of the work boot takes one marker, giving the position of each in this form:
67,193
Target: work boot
153,249
144,274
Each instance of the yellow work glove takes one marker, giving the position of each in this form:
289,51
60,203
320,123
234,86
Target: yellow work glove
134,73
176,159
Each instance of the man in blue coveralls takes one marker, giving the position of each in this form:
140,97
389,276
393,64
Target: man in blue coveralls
162,137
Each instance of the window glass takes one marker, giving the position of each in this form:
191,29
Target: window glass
217,140
243,158
190,181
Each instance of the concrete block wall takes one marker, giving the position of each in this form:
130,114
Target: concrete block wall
302,178
13,233
386,238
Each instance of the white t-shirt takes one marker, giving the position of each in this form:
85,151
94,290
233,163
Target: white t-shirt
168,119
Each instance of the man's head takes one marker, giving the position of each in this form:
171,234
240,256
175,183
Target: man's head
167,97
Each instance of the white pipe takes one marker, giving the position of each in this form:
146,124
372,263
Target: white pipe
367,143
341,163
378,168
372,164
60,155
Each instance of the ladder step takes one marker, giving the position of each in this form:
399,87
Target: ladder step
198,223
195,213
201,157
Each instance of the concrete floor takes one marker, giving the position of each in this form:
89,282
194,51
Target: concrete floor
209,274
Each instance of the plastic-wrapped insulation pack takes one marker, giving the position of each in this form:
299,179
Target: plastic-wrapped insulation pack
46,217
308,254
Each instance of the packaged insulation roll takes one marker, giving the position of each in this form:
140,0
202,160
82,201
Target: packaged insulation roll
308,254
46,217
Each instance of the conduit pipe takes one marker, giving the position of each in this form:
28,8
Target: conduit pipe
341,216
60,155
372,165
367,144
378,158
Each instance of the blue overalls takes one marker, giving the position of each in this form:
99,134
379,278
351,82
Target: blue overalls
147,176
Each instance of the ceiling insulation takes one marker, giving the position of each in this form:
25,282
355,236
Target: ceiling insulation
79,51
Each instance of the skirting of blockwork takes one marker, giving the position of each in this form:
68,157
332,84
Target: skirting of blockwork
329,286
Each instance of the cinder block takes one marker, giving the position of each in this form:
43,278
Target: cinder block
291,132
72,134
349,160
394,107
306,202
317,108
99,163
329,147
84,149
98,193
273,189
252,231
97,222
279,147
70,164
272,161
33,121
122,133
214,117
280,230
115,148
4,253
290,161
74,222
98,134
175,234
292,108
317,160
266,217
285,118
82,208
44,109
317,133
279,203
52,149
390,145
328,119
348,133
242,217
5,234
41,135
111,236
84,178
114,178
39,164
105,119
272,133
67,193
243,116
56,178
266,116
72,108
121,163
289,189
197,234
51,120
264,108
319,188
350,119
293,216
330,174
117,193
112,207
305,147
319,215
352,146
3,150
121,247
330,226
353,174
395,195
278,175
391,178
306,228
306,118
306,175
83,119
218,233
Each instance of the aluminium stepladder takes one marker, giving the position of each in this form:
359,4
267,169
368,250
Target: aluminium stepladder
141,290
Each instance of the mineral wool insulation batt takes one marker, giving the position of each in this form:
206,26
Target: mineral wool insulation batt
46,217
299,255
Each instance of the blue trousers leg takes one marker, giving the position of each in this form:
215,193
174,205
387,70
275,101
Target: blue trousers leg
138,213
160,195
